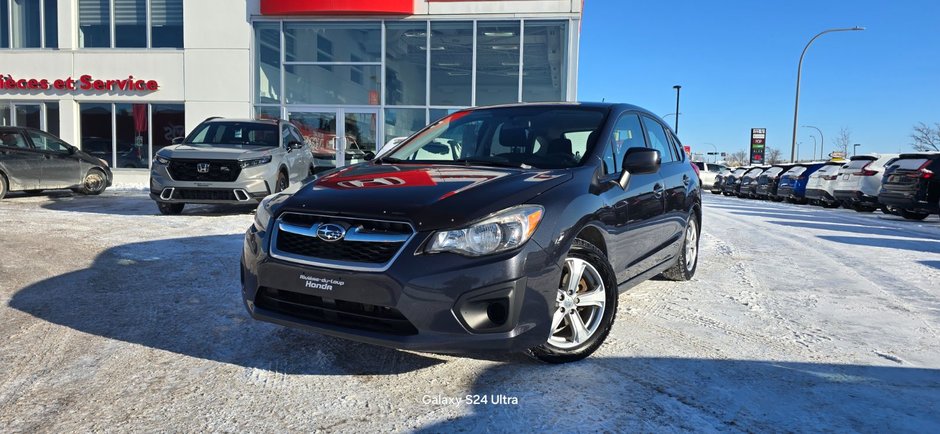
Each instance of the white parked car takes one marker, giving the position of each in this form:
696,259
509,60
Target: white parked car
859,182
821,184
707,172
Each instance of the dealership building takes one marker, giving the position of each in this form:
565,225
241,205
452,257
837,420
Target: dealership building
122,78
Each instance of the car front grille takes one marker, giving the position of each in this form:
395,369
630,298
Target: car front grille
368,245
203,194
349,314
217,170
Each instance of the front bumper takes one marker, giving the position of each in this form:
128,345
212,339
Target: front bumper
440,303
251,186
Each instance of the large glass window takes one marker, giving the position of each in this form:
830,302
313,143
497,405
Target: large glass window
267,62
333,42
96,130
130,23
311,84
497,62
40,115
127,135
403,122
545,74
29,115
406,63
28,22
451,63
166,23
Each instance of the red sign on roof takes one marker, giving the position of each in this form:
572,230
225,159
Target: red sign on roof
337,7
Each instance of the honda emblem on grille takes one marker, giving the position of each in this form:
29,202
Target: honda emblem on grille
331,232
202,167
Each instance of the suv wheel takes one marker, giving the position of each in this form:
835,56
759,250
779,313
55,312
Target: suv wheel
586,303
688,258
94,183
3,186
282,182
913,215
170,208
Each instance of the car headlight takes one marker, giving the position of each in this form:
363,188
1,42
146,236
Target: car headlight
159,159
254,162
499,232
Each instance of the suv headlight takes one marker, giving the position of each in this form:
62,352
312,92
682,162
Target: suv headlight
499,232
254,162
159,159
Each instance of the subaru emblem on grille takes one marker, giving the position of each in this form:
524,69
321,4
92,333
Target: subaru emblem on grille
202,167
331,232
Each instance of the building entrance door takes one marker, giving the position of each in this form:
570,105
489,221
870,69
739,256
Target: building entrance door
338,136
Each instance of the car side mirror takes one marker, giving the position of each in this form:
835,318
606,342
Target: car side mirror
176,140
72,150
293,144
368,156
639,161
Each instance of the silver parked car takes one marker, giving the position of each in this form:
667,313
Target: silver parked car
227,161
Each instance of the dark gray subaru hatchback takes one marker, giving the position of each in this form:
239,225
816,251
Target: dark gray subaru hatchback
509,228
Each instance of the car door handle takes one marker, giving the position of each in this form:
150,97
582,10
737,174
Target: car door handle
658,190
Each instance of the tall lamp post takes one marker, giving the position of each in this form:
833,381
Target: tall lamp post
822,141
799,73
855,148
814,145
677,87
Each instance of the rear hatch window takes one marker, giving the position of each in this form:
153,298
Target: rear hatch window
909,163
796,171
773,171
857,164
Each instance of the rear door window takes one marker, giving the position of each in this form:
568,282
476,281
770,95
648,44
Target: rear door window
10,139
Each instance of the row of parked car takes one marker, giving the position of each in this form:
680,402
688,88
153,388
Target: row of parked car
906,185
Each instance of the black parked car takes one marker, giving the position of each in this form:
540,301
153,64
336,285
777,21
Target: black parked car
717,186
911,187
731,184
32,161
518,235
767,182
748,187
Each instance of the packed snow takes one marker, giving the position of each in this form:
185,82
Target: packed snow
799,319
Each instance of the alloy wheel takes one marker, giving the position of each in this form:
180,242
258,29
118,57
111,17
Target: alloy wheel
582,297
691,245
93,181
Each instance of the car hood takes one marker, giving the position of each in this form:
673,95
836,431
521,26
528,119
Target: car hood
429,196
216,152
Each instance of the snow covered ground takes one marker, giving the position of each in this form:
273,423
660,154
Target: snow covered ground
799,319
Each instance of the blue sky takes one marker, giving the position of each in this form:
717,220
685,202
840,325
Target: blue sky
737,63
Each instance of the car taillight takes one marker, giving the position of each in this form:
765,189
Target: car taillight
923,172
697,172
864,171
830,177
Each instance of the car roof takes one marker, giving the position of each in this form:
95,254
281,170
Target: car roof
584,104
929,155
244,120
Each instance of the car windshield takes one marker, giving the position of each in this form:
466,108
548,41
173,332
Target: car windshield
545,137
234,133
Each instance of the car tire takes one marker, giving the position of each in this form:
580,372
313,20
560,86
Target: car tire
94,183
833,204
3,186
777,199
913,215
170,208
688,257
282,182
863,208
597,281
716,192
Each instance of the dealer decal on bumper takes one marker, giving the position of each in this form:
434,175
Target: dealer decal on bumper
323,283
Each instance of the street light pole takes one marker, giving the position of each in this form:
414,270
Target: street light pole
854,149
799,73
677,87
814,145
822,141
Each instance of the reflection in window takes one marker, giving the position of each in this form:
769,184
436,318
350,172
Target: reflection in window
545,76
95,127
131,125
130,23
267,112
402,122
169,122
267,62
51,11
310,84
4,24
451,63
166,23
333,42
94,23
29,115
26,21
405,63
497,62
52,118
